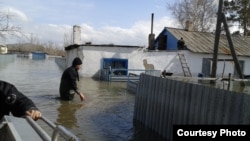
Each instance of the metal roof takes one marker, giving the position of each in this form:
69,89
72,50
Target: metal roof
203,42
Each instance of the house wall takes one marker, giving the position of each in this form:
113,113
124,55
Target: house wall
225,64
246,67
171,41
92,57
71,54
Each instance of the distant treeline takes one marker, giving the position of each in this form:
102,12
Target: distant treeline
28,47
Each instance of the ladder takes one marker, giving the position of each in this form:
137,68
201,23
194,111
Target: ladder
184,65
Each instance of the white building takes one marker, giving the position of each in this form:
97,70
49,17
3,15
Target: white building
198,54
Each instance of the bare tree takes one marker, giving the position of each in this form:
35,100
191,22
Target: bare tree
33,39
201,12
238,13
6,28
68,38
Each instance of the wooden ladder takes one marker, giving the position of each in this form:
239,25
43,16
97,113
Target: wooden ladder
184,65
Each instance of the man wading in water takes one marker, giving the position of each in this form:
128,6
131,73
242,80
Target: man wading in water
68,85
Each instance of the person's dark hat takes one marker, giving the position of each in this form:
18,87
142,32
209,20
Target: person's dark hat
76,61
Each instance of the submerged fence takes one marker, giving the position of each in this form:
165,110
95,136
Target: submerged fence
161,103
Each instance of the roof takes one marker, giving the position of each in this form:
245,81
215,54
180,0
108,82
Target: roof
203,42
101,45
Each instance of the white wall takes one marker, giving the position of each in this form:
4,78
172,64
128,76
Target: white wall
93,59
162,60
223,67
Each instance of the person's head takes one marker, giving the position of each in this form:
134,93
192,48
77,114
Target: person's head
77,62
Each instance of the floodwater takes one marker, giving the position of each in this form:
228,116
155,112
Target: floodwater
105,115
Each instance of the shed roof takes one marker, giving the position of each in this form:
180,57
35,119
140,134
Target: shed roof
203,42
100,45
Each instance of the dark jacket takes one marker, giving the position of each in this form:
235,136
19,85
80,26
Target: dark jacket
13,101
68,82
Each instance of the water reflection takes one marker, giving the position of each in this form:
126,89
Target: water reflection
67,113
6,60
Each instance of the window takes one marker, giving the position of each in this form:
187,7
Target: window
115,63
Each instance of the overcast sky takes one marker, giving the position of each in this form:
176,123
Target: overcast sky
123,22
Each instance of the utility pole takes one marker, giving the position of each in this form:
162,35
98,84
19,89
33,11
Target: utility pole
217,39
221,18
230,42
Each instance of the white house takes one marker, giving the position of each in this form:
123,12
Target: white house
164,55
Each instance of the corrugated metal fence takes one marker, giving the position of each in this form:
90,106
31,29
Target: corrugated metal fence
161,103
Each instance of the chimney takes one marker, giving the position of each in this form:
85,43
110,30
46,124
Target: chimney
151,37
189,26
76,34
